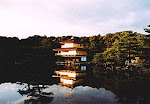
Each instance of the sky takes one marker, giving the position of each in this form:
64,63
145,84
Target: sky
24,18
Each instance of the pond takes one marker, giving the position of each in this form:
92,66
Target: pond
28,93
73,87
10,93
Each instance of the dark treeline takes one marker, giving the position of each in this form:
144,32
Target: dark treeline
31,55
35,54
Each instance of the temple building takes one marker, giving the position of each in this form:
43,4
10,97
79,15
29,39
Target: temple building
71,52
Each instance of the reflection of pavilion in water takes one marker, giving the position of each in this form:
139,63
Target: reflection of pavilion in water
71,76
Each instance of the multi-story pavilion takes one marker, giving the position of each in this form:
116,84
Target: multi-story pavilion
71,52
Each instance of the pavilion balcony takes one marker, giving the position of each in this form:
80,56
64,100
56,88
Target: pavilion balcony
71,45
71,53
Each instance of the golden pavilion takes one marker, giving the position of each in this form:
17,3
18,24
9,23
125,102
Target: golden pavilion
71,52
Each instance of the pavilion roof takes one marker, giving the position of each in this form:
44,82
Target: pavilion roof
71,40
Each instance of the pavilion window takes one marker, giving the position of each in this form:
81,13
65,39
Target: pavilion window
83,58
83,68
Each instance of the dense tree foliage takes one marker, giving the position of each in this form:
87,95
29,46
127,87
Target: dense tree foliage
124,46
35,53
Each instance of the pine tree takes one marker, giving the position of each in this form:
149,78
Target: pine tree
123,48
146,49
147,30
128,46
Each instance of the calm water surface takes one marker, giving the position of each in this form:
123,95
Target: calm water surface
90,89
56,94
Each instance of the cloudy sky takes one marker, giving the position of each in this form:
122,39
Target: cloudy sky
23,18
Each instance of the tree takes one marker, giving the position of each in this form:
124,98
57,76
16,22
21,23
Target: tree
146,49
128,46
123,48
98,58
147,30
